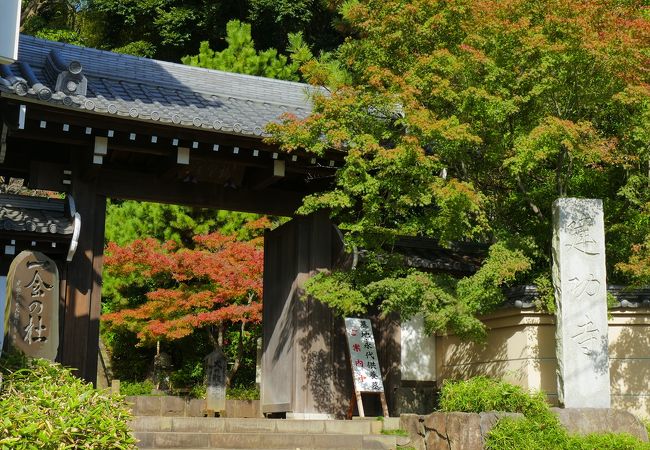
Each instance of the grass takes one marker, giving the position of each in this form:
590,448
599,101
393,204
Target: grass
397,432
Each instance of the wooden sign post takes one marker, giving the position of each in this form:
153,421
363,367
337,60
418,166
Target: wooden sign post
366,372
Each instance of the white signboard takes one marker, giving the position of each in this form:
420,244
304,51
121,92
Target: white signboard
363,355
9,28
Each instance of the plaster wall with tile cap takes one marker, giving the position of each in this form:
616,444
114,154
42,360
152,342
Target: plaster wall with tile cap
520,349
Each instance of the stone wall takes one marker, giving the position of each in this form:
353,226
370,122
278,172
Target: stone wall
169,405
520,349
468,431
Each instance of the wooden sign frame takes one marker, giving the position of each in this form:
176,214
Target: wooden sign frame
355,327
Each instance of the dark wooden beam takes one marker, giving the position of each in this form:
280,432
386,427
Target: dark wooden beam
95,309
262,179
77,139
147,187
163,131
166,131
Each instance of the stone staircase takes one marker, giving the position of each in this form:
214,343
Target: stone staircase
157,432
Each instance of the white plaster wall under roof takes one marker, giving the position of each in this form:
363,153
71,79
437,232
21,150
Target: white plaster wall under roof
9,26
520,349
418,355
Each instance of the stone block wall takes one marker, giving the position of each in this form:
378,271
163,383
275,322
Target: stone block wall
450,431
173,406
468,431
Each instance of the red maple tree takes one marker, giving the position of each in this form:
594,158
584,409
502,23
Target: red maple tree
217,283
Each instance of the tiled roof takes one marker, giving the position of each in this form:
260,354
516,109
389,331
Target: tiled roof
19,213
149,90
427,255
524,297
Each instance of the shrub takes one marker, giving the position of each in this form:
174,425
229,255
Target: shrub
136,387
43,406
609,441
544,433
486,394
198,391
243,393
540,429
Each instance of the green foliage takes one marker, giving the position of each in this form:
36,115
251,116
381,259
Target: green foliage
446,303
606,441
191,373
240,56
539,429
168,29
129,220
528,434
336,290
397,432
136,387
531,434
546,299
172,27
198,391
137,48
128,361
273,19
464,121
68,36
243,393
43,406
481,394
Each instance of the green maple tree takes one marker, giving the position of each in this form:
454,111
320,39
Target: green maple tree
463,121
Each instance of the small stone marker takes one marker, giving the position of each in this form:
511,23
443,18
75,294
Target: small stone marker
162,365
215,371
579,279
33,305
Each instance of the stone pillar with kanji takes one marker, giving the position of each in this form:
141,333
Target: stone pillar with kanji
216,366
33,305
579,280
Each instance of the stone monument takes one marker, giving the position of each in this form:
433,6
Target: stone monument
33,305
579,280
216,366
162,365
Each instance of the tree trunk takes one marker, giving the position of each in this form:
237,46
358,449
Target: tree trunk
238,355
30,8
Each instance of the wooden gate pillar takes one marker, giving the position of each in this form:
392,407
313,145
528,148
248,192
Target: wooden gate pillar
80,344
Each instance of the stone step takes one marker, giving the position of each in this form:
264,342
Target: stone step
260,440
224,425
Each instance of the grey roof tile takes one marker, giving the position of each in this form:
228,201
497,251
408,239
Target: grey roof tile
34,215
147,89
